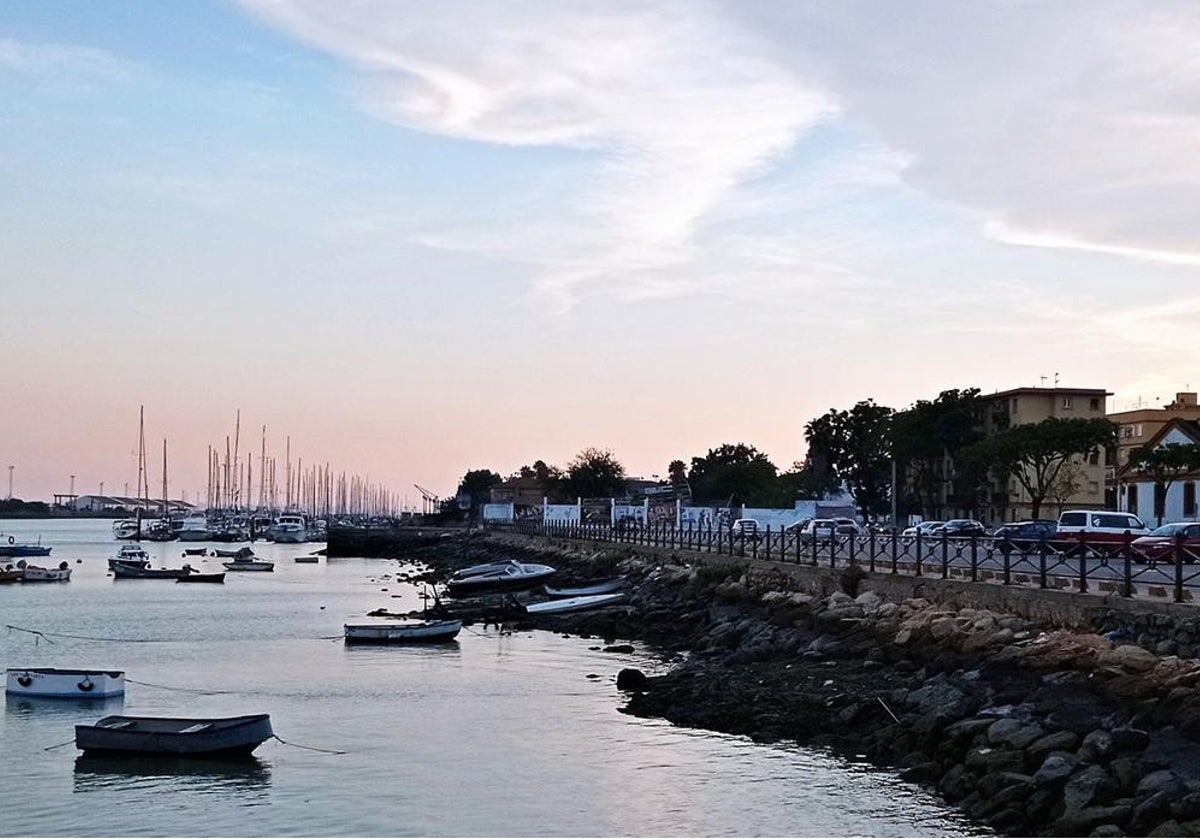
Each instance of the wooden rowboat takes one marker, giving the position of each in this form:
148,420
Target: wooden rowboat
596,587
422,633
197,737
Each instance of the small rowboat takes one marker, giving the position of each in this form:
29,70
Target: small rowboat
200,737
37,574
310,558
11,575
214,577
595,587
123,571
423,633
249,565
578,604
64,682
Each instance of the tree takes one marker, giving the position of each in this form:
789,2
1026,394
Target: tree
1067,484
1036,453
733,474
857,446
476,485
595,473
1165,464
930,435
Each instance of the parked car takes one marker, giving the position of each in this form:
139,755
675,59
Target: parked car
960,529
922,528
1160,543
1099,531
745,529
823,529
1023,536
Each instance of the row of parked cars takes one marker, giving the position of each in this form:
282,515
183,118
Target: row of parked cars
1098,530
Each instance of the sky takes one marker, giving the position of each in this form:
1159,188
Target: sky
420,238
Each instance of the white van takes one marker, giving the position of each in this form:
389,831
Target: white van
1098,526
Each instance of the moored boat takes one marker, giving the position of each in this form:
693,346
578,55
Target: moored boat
130,555
245,561
64,682
577,604
289,528
423,632
9,547
39,574
200,737
310,558
596,587
121,570
202,577
10,575
510,576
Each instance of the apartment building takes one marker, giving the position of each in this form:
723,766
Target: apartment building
1137,427
1083,485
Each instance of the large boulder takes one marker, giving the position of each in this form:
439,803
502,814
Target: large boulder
1077,823
1055,770
1062,741
1131,658
1130,740
939,696
1160,780
1087,787
1097,745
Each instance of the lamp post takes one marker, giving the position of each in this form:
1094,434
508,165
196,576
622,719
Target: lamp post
10,472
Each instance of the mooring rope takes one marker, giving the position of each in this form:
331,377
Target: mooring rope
177,688
303,747
56,746
46,635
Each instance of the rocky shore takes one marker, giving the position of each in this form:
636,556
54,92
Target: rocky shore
1032,730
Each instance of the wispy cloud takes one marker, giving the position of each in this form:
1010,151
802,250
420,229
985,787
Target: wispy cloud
54,61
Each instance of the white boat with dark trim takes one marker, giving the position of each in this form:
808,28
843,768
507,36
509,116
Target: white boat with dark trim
507,577
194,528
246,561
130,555
201,737
577,604
73,683
424,632
289,528
38,574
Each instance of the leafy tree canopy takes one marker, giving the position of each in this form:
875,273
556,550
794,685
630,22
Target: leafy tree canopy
733,473
857,447
477,484
595,473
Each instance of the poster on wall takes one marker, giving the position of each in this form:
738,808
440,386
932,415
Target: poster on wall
597,511
663,511
698,518
627,516
498,512
561,513
527,513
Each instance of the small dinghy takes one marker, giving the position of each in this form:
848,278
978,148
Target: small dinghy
197,737
578,604
591,587
202,577
507,576
231,552
122,571
38,574
64,682
195,552
423,633
310,558
245,561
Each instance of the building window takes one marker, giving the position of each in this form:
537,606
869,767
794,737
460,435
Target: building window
1095,404
1068,402
1094,458
1189,499
1137,430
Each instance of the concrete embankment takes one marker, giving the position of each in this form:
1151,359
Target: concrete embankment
1036,713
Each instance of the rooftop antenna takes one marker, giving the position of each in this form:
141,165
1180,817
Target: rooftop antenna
1043,381
1055,379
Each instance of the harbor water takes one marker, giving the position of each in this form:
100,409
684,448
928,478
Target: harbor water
495,734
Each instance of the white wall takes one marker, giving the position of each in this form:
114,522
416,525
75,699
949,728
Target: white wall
1172,512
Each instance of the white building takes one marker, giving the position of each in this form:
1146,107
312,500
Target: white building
1137,493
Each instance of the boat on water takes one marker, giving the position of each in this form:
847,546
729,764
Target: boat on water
126,529
424,632
577,604
122,571
309,558
202,577
244,560
9,574
9,547
289,528
130,555
508,577
198,737
193,528
39,574
71,683
593,587
232,552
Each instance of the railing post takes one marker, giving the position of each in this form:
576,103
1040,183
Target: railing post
1083,585
799,546
895,548
871,550
1042,564
975,559
919,552
815,548
833,549
851,555
1179,568
1127,583
945,556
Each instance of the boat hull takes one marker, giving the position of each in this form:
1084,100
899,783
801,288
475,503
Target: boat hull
577,604
195,737
426,633
127,572
24,550
512,578
36,574
215,577
249,566
598,588
64,682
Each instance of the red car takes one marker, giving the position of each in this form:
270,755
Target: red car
1160,544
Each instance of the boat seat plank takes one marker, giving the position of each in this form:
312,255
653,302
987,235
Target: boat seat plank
196,727
118,724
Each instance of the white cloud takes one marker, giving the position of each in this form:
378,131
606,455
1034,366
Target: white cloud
52,61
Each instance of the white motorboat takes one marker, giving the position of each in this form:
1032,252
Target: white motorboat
125,529
194,528
596,587
38,574
64,682
246,561
509,576
425,631
130,555
289,528
577,604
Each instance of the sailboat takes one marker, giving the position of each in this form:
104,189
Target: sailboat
161,531
131,529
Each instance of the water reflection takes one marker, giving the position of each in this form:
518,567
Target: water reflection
62,706
249,777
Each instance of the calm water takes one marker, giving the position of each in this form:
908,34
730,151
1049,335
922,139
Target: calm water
494,735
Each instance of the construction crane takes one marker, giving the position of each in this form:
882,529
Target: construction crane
429,501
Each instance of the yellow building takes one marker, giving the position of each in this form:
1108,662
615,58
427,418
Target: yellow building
1082,484
1137,427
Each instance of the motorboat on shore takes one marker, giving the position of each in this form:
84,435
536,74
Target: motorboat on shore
577,604
39,574
594,587
9,547
508,577
423,632
244,560
70,683
130,555
206,737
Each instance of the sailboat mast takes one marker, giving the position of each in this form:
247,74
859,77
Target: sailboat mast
166,515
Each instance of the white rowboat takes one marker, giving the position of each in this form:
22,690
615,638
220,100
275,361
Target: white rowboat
425,632
64,682
578,604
